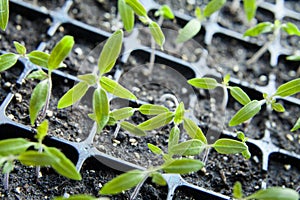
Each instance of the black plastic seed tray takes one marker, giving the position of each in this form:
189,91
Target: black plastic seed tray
268,152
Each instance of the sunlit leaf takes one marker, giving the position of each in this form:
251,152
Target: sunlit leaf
189,30
173,138
122,113
179,113
154,149
7,61
264,27
60,52
127,15
237,190
204,83
246,112
157,34
123,182
135,130
38,74
4,14
157,121
291,29
110,52
290,88
193,130
158,179
14,146
90,79
188,148
38,99
293,58
42,130
229,146
152,109
63,166
275,193
278,107
116,89
238,94
21,49
198,13
297,125
100,108
137,7
250,9
165,11
213,6
35,158
183,166
226,79
73,95
39,58
80,197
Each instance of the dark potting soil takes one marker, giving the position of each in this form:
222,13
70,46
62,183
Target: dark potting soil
50,5
98,13
71,123
23,184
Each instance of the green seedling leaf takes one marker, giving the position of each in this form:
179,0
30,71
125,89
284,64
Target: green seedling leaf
229,146
35,158
13,146
250,9
264,27
38,74
38,99
204,83
110,52
290,88
100,108
63,165
189,30
246,112
4,14
198,13
111,121
80,197
60,52
278,107
226,79
188,148
90,79
241,136
238,94
293,58
183,166
150,109
132,129
275,193
291,29
173,138
8,167
127,15
179,113
155,149
137,7
7,61
246,154
116,89
193,130
122,113
73,95
157,34
213,6
39,58
42,130
157,121
21,49
158,179
123,182
164,11
297,125
237,190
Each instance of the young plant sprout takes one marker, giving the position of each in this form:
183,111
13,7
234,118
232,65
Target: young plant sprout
268,27
17,149
194,25
250,7
274,193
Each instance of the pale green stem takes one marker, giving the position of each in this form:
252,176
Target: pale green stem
117,130
44,111
138,188
6,181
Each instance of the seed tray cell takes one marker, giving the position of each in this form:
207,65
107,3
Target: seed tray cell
269,155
